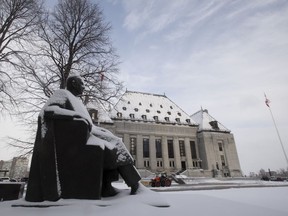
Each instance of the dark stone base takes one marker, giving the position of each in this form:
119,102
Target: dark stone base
11,191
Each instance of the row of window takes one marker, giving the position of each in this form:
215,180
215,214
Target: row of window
156,118
158,148
148,111
159,163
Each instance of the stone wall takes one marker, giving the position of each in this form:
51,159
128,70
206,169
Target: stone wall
210,161
18,167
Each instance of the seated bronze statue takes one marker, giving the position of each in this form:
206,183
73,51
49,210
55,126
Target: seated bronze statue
72,158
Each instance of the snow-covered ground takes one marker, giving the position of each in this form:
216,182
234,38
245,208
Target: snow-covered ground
264,201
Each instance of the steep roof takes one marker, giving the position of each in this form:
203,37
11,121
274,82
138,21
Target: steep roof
149,107
207,122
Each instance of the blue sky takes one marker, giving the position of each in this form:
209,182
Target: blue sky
219,55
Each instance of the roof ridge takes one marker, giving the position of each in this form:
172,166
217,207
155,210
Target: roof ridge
145,93
196,113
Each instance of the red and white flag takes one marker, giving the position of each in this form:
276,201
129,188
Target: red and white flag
267,101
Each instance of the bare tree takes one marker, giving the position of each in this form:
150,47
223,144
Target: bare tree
18,19
74,38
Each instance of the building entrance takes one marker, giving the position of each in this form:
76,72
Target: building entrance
183,165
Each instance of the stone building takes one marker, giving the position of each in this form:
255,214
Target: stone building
163,138
5,168
217,147
15,168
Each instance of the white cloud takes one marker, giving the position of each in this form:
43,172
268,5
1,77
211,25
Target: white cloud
222,56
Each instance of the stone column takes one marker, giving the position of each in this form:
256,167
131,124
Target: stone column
188,153
152,150
177,157
139,152
165,157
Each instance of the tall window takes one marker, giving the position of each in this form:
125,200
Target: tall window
146,163
193,149
172,163
223,160
145,147
170,149
220,145
158,145
133,145
182,148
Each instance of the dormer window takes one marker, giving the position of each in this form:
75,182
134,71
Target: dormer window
147,110
132,116
169,113
144,117
161,106
136,109
158,111
214,125
188,121
124,108
177,120
94,115
151,105
171,107
128,102
119,115
179,114
166,119
140,104
156,118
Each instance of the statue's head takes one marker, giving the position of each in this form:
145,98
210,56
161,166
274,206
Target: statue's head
75,85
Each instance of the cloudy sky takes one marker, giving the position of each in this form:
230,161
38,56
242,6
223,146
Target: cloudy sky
219,55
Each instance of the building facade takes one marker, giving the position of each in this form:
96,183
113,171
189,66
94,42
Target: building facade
217,146
15,168
161,137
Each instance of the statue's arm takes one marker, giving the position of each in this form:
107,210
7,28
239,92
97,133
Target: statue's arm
57,112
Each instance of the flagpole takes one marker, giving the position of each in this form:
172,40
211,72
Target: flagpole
267,103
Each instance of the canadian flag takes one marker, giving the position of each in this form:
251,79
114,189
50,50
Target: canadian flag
267,101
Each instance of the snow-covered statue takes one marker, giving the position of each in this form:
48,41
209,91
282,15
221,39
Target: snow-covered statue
72,158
